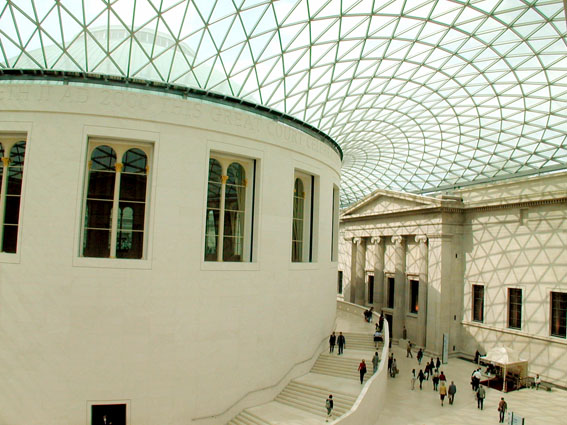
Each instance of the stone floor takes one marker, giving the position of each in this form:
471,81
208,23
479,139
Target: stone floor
406,407
423,407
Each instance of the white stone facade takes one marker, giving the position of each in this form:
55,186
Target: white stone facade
170,335
498,236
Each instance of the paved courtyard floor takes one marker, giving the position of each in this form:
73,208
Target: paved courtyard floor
406,407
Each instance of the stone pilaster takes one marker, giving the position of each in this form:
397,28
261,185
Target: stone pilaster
379,289
422,295
358,262
400,306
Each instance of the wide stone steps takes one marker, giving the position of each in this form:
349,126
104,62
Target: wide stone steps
342,367
247,418
364,342
311,398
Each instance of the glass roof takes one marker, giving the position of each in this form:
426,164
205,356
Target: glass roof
422,96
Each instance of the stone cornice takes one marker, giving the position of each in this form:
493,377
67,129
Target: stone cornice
399,213
524,204
453,210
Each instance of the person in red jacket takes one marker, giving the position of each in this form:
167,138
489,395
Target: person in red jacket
362,370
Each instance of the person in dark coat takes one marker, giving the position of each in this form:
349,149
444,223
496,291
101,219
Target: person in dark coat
341,341
452,391
419,356
421,378
329,405
332,341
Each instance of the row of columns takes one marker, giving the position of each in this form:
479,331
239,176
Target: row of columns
401,307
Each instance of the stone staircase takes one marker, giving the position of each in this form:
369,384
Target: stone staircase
310,397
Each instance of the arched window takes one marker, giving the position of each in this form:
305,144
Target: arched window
303,218
298,218
115,202
11,175
228,222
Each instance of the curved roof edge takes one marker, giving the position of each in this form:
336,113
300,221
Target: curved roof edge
181,91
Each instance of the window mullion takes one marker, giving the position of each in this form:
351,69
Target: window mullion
224,178
115,205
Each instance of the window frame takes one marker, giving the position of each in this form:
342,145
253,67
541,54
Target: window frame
9,142
563,325
413,295
474,301
120,147
309,219
249,165
391,292
514,308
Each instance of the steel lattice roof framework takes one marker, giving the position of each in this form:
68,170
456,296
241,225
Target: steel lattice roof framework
422,96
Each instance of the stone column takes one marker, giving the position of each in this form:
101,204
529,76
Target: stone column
379,292
399,287
439,269
358,261
422,302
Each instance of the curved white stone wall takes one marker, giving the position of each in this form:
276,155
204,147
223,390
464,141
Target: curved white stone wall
170,335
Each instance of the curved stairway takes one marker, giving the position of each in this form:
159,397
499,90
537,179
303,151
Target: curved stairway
305,396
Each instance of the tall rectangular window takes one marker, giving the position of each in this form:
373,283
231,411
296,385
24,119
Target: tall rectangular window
414,296
115,200
515,308
478,303
340,282
302,236
559,314
230,212
12,151
391,286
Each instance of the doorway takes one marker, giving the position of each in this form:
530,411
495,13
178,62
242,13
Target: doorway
370,289
108,414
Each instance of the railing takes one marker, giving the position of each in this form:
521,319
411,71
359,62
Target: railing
366,409
311,359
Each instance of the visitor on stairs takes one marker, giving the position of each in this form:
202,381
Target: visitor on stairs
375,360
341,341
377,338
332,341
329,406
362,370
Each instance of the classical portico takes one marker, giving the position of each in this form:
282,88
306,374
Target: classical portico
405,270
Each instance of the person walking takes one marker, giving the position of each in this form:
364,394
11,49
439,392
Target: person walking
451,392
442,377
419,356
438,363
375,360
427,371
329,405
394,368
390,360
408,350
377,338
435,380
421,378
502,407
362,370
341,341
442,392
332,342
413,378
480,395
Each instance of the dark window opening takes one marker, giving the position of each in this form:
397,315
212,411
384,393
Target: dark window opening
391,283
478,303
559,314
515,308
414,296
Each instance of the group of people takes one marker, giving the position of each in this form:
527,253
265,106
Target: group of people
368,314
392,366
337,340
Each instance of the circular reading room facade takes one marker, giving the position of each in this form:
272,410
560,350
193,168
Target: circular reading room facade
165,253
